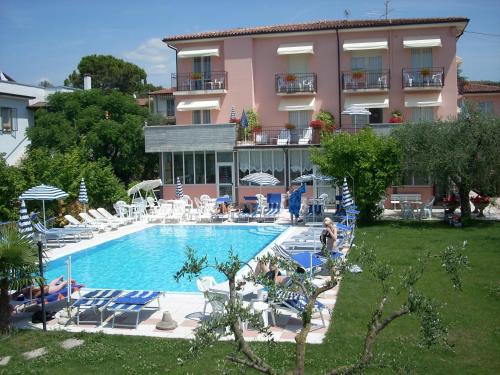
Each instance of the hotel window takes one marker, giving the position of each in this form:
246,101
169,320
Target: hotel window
8,118
170,106
486,107
190,167
422,114
269,161
300,119
421,58
300,164
201,117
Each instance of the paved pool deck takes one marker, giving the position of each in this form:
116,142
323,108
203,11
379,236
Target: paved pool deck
185,308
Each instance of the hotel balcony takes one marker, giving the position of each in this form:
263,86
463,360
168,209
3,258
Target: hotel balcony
295,83
278,136
195,83
423,79
366,81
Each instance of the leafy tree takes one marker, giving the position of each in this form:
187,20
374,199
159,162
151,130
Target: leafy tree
18,268
110,73
12,185
104,125
392,288
65,170
465,151
372,161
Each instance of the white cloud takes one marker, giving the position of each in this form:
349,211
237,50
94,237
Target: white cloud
155,58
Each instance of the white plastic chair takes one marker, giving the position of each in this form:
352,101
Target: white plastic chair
307,137
204,284
408,79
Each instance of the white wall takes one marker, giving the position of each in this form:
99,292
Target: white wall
14,144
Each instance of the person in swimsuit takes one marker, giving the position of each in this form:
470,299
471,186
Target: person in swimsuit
271,272
329,234
54,286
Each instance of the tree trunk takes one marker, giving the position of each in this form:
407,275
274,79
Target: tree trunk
463,191
4,306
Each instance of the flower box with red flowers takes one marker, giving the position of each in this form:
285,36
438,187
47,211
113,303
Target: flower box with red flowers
236,121
396,120
290,78
316,124
479,199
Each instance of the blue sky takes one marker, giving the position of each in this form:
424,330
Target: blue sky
46,39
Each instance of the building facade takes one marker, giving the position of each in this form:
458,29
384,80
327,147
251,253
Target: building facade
487,97
287,74
17,105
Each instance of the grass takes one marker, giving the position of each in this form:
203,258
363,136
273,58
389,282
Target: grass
472,316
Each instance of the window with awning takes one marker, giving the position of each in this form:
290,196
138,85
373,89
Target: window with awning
187,53
423,100
295,49
365,44
296,104
196,105
421,42
366,101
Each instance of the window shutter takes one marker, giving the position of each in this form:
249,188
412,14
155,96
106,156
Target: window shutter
13,113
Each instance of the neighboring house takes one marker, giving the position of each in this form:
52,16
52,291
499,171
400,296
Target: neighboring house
162,103
486,96
17,105
288,73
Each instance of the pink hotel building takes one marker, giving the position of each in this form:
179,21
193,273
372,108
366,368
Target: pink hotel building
287,74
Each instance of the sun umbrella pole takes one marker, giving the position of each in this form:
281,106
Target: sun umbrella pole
43,205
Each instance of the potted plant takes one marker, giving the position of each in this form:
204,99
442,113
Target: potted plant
236,121
327,119
425,72
289,126
316,124
480,202
290,78
396,117
195,75
358,74
253,121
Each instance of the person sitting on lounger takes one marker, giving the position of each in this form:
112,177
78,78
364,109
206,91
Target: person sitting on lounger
54,286
271,272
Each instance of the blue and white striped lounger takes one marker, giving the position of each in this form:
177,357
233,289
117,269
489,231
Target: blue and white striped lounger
133,302
296,303
96,300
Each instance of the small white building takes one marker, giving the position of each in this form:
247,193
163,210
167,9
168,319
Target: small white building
17,105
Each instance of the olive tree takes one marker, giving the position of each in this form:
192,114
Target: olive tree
392,287
465,151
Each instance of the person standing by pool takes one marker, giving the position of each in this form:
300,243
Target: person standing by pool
295,197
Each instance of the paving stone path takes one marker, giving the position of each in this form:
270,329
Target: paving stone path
4,360
35,353
71,343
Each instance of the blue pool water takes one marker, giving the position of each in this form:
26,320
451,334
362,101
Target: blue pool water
149,259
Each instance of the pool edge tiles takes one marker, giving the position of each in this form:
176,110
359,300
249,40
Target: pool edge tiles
147,258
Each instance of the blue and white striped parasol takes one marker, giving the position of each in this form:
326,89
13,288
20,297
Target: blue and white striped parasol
82,195
346,195
178,189
232,115
261,179
43,193
24,223
310,177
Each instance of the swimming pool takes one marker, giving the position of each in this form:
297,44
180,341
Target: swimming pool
149,259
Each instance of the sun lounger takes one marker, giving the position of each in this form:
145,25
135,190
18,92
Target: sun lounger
87,219
98,216
74,223
95,301
61,234
121,220
296,303
133,302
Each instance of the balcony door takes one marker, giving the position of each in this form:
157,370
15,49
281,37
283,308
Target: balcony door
225,179
370,61
202,65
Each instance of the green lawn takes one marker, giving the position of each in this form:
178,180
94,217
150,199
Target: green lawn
472,316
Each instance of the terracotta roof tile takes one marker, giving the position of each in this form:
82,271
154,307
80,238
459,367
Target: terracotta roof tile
168,90
479,88
312,26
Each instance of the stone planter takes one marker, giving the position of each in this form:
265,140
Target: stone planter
316,136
